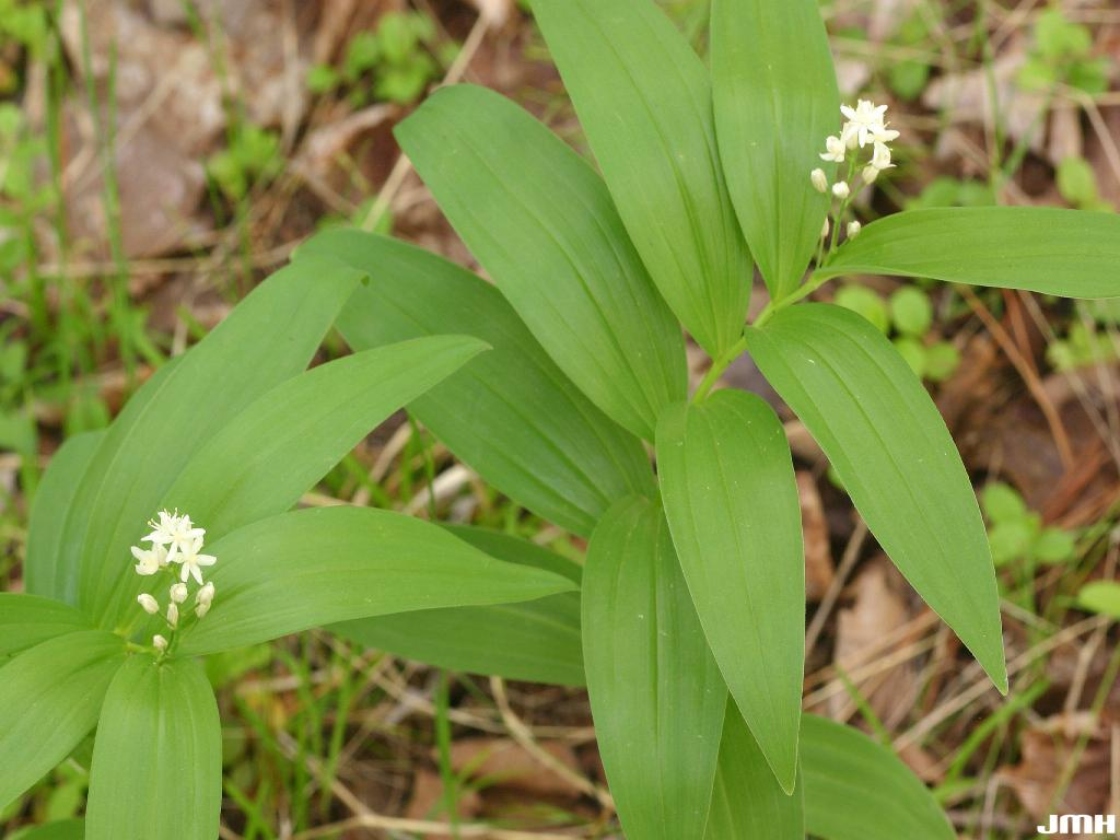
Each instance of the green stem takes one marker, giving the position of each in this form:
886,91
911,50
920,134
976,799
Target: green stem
718,367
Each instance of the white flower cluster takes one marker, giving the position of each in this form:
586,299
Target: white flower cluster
865,127
174,539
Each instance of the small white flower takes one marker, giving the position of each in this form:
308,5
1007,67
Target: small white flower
174,531
881,158
853,229
882,134
201,610
149,561
869,174
159,643
825,229
819,179
841,190
193,561
835,150
864,120
173,614
150,604
179,593
205,595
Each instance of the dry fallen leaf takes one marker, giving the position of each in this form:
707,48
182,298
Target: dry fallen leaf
504,764
819,568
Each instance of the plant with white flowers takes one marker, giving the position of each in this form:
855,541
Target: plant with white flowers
693,598
176,546
231,435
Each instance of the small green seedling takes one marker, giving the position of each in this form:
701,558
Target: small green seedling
253,156
1017,534
1062,54
1101,597
1078,185
1092,338
395,63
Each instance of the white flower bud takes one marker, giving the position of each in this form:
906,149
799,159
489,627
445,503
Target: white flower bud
819,179
179,593
150,604
159,643
869,174
881,157
173,614
853,229
825,229
841,190
205,594
201,610
835,149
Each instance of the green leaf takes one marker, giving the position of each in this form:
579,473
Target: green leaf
27,620
887,442
48,570
543,225
536,641
747,800
1071,253
1001,503
644,99
656,693
911,311
510,414
270,454
58,830
312,567
157,761
1100,596
857,790
280,445
50,696
732,504
271,336
776,100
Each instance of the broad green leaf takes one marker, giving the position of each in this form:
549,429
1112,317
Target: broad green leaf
890,448
774,89
645,101
536,641
270,454
157,760
27,620
57,830
856,789
282,443
1101,597
43,570
655,690
747,800
271,336
544,226
299,570
1072,253
50,696
732,504
510,414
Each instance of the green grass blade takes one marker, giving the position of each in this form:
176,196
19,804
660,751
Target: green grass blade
157,761
312,567
889,445
1071,253
775,98
747,800
271,336
510,414
644,99
656,692
857,790
732,504
27,620
47,569
543,225
536,641
50,696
